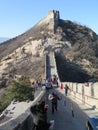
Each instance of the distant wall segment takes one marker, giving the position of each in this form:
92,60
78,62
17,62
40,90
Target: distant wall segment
52,20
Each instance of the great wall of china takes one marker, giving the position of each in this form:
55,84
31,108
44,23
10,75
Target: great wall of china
87,93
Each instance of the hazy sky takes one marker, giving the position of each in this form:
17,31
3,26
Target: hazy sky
17,16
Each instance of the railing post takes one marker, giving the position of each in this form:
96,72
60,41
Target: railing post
83,96
92,89
76,87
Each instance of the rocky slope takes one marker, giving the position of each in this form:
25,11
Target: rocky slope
25,54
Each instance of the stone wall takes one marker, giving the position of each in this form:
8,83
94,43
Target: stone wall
24,121
84,92
51,20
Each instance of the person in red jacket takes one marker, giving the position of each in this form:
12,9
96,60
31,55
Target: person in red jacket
61,86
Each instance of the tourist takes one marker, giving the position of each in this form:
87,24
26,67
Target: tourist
39,115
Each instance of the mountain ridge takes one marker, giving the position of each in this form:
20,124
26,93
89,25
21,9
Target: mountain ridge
63,37
3,39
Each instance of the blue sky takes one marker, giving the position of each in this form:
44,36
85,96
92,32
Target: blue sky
17,16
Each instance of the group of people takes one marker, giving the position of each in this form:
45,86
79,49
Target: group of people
39,112
37,84
39,115
50,81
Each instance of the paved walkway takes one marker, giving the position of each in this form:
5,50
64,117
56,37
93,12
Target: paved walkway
63,117
87,109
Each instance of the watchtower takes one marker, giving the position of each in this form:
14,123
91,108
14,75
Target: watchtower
54,19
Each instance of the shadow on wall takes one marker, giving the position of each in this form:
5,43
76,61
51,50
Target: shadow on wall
70,72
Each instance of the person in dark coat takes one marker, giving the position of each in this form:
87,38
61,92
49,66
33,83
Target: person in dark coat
54,101
66,89
39,115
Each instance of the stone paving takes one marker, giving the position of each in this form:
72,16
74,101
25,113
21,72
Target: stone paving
87,109
63,117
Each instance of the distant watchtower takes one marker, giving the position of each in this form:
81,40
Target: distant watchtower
54,19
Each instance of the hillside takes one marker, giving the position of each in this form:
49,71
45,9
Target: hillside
84,47
74,43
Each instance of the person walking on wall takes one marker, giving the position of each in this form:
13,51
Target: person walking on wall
66,89
54,102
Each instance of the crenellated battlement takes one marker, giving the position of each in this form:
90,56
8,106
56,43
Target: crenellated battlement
55,14
52,20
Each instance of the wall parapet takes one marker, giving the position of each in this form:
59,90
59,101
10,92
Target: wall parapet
24,121
85,92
